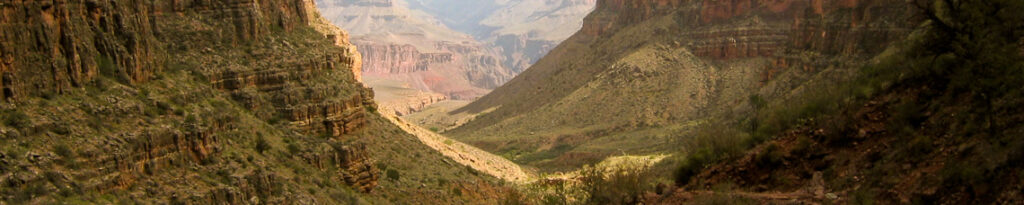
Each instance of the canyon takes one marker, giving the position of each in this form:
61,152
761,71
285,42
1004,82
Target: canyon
409,46
522,30
458,49
511,102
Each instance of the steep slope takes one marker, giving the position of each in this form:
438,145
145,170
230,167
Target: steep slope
410,46
641,73
524,30
199,102
934,120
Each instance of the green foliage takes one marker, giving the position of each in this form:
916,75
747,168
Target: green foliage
293,148
614,185
17,119
109,68
393,174
261,144
770,157
757,102
713,142
62,150
456,191
971,49
32,191
512,197
67,156
371,109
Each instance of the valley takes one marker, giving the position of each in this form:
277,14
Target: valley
447,48
512,102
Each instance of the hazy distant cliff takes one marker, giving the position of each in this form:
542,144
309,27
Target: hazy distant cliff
409,46
523,30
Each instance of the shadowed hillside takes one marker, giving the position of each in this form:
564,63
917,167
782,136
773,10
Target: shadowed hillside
641,74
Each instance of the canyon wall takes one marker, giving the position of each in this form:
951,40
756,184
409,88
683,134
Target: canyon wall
522,30
406,45
192,102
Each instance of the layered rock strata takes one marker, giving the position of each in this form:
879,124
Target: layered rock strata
276,59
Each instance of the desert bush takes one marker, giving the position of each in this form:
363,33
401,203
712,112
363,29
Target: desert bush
17,119
393,174
294,148
512,197
261,144
770,157
712,142
621,184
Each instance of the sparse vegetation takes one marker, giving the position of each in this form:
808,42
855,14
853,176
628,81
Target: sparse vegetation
615,185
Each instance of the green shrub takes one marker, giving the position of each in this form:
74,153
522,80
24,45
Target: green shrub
456,191
17,119
713,142
770,157
67,155
512,197
757,102
393,174
62,150
293,148
614,185
61,129
262,144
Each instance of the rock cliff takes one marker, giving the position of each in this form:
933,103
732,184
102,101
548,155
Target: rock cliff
659,65
192,102
522,30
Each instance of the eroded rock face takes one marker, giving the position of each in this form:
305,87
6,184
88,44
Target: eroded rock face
611,14
404,45
48,48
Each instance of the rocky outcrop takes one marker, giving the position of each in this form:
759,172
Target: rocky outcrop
275,58
73,42
356,168
409,105
612,14
392,58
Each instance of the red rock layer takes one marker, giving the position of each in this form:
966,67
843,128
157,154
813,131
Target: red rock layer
728,29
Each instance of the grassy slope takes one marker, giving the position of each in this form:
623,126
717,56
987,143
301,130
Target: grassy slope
636,91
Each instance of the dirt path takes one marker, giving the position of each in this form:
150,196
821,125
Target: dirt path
465,154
